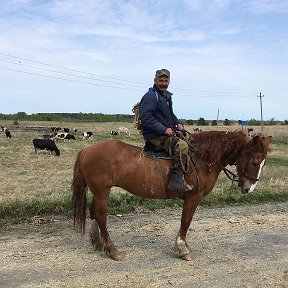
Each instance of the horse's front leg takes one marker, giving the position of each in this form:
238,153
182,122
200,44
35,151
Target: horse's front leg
191,202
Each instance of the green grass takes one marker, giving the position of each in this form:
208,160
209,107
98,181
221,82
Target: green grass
277,161
125,203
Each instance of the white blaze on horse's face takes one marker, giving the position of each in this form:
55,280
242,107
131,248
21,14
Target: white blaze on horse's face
258,176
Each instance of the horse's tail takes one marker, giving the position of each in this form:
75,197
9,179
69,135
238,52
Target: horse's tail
79,195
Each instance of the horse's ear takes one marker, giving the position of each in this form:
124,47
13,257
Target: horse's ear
267,141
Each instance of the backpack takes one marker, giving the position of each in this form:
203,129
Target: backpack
136,110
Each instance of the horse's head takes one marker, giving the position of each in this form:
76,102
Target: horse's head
251,161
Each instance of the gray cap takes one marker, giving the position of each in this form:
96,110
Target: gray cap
162,72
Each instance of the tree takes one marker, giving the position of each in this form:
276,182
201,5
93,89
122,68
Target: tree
214,123
190,122
227,122
201,122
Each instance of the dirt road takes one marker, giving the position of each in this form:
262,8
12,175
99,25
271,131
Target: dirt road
232,247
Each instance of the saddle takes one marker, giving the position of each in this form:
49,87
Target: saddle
152,151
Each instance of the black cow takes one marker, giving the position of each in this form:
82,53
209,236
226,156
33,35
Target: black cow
66,130
7,133
45,144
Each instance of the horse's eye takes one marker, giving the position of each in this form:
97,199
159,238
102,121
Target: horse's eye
255,162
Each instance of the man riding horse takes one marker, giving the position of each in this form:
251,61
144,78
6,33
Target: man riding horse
160,125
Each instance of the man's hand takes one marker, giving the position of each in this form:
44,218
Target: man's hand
169,132
180,127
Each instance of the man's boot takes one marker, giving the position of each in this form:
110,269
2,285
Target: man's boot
177,182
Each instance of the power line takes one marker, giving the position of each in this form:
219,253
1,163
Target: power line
179,91
65,68
65,79
65,73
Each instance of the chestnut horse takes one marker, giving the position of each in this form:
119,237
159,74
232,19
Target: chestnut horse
115,163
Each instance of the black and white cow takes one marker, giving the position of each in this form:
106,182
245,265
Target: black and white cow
87,135
69,137
113,133
66,130
45,144
59,136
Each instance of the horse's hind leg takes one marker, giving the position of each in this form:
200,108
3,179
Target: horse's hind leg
98,215
94,234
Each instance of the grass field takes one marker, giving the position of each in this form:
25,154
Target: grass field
40,184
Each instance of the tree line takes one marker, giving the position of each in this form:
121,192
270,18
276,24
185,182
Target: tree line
100,117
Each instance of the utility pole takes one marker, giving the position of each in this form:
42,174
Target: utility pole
217,117
261,96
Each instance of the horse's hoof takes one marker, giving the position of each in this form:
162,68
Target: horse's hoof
117,256
187,257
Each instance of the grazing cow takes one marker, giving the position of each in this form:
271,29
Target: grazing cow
198,130
7,133
69,137
66,130
2,128
55,129
75,130
87,135
45,144
59,136
114,133
124,130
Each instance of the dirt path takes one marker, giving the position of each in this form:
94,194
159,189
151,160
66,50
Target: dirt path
232,247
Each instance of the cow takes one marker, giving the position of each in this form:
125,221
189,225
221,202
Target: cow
198,130
45,144
113,133
59,136
87,135
69,137
75,130
66,130
55,129
124,130
7,133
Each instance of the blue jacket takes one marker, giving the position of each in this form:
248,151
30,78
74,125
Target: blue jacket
156,113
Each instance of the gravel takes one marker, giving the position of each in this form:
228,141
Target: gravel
245,246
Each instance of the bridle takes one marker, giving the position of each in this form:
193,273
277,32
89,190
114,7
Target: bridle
234,177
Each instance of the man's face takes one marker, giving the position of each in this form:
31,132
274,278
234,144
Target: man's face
162,83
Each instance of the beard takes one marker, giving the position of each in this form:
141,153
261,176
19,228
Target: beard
163,87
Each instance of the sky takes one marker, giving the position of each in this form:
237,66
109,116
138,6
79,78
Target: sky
91,56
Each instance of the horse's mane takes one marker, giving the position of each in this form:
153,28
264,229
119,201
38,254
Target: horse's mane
211,146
